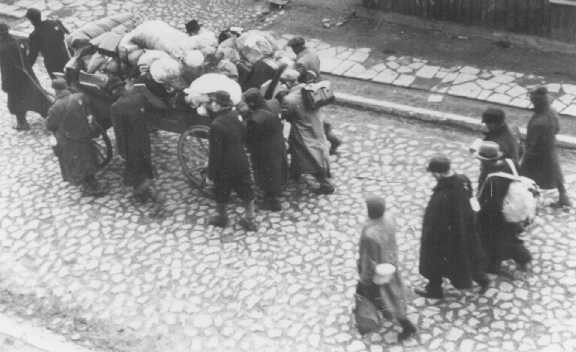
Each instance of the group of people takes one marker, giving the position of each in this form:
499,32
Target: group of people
465,234
247,141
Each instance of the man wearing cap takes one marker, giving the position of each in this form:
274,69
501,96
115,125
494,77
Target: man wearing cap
228,163
449,244
499,238
308,65
71,121
308,145
497,131
47,38
540,161
18,80
267,149
380,280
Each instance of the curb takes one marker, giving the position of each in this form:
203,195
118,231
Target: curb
37,337
421,114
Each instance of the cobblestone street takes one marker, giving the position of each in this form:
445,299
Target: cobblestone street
102,273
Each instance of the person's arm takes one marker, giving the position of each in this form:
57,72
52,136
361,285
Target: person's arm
64,29
53,119
34,48
534,140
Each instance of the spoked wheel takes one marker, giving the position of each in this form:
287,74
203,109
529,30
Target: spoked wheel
193,156
104,149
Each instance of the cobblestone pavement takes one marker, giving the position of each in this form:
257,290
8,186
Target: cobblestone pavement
491,85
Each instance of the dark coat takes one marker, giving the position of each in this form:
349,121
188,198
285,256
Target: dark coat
262,71
131,115
48,39
68,120
228,159
541,159
449,244
18,79
508,146
267,149
499,238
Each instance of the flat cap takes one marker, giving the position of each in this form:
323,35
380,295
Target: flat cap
493,115
59,84
440,164
296,41
222,98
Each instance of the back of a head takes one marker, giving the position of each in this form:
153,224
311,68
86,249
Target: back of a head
376,207
34,15
192,27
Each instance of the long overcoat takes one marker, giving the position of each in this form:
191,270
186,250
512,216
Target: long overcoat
18,79
309,61
540,162
267,149
378,245
48,39
68,120
449,245
499,238
508,146
308,143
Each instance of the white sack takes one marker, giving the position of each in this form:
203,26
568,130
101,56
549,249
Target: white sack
149,56
255,45
212,82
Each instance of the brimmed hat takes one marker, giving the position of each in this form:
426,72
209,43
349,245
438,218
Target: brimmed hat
33,14
439,164
296,41
489,150
493,115
383,273
542,90
376,207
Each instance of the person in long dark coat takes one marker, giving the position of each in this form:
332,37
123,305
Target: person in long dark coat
308,65
540,161
378,246
228,162
449,244
499,238
47,38
267,149
262,71
499,132
308,143
18,80
71,121
131,114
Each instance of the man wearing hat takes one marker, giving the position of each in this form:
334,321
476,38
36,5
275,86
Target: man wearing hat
71,121
449,244
499,238
497,130
228,163
18,80
540,161
380,281
47,38
308,66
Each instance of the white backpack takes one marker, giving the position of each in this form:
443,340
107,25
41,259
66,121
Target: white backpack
521,200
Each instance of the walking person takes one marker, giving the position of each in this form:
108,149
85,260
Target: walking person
71,121
308,145
378,252
449,244
228,163
18,80
540,161
498,131
47,38
308,66
499,238
267,149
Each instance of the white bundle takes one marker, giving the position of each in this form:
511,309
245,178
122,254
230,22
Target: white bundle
193,58
205,41
149,56
168,71
213,82
228,50
255,45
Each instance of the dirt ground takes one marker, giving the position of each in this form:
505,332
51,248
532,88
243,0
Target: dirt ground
305,17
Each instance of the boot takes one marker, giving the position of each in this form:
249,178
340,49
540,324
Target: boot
335,142
91,187
247,222
271,203
432,290
563,201
325,187
220,219
21,123
408,329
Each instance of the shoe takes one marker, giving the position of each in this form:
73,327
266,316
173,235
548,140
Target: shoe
524,267
407,332
562,203
271,204
334,145
324,188
218,221
248,225
484,285
428,294
22,127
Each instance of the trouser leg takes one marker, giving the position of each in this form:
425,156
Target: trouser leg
21,122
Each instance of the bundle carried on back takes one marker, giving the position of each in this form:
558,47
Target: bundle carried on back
121,23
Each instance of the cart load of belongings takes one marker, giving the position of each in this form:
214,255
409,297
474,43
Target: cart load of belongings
120,24
249,47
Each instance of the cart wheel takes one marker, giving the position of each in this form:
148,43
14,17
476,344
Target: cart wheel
104,149
193,156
